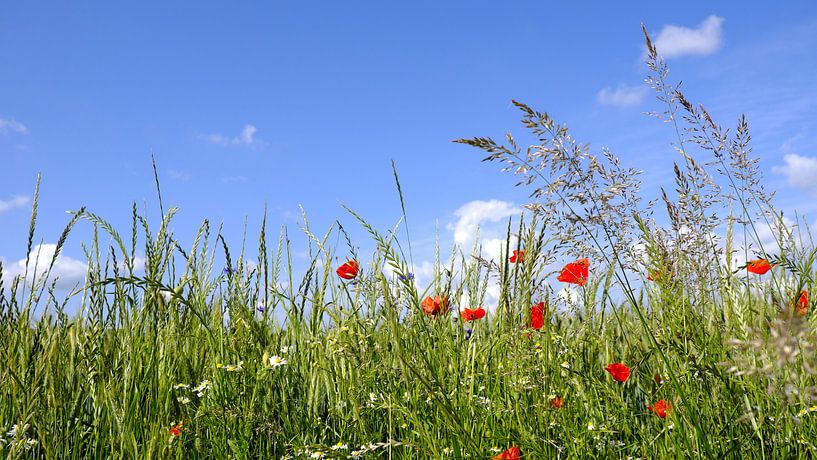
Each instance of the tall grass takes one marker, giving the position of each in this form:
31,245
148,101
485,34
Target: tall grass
186,358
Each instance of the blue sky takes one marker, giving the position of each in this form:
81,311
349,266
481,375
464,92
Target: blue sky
307,103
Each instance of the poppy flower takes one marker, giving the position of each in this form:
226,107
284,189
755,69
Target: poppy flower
510,454
432,306
658,276
537,315
802,304
556,402
618,371
661,408
471,315
176,430
348,270
758,266
575,272
517,256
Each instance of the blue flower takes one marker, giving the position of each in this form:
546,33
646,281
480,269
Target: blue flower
467,334
403,278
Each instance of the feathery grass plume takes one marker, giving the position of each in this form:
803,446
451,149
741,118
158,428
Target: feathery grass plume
578,194
782,356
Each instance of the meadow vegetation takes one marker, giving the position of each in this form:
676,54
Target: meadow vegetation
684,332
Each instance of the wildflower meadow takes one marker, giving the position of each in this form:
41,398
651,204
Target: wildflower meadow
627,325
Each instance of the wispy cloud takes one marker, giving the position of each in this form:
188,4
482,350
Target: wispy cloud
675,41
800,171
791,141
245,138
178,175
11,125
17,201
623,96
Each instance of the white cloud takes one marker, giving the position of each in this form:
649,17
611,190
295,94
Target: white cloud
17,201
800,171
245,138
675,41
424,272
623,96
472,215
569,296
10,124
138,263
69,271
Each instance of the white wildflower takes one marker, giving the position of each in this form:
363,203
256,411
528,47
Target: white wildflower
202,387
277,361
18,429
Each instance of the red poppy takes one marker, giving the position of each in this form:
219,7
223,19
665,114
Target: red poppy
537,315
661,408
471,315
175,430
348,270
575,272
556,402
657,276
758,266
802,304
618,371
517,256
510,454
432,306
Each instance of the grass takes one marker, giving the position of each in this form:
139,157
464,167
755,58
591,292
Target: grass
185,358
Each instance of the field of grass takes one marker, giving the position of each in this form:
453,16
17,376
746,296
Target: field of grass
192,358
